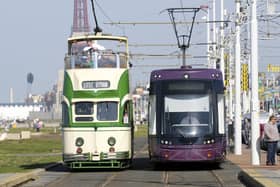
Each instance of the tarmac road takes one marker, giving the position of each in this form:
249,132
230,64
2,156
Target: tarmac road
142,174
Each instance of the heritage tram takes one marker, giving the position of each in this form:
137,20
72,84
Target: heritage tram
186,120
97,121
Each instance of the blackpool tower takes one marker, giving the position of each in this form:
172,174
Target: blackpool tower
80,18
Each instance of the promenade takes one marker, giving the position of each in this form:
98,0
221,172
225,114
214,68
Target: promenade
251,175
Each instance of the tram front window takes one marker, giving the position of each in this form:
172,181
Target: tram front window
187,115
84,108
107,111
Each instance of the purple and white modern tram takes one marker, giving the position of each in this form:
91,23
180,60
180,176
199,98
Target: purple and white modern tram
186,120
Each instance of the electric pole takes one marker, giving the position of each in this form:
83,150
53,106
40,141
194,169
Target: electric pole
237,121
214,33
222,62
255,128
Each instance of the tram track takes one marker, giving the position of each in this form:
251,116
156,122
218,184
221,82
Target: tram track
171,178
165,176
111,178
219,180
142,173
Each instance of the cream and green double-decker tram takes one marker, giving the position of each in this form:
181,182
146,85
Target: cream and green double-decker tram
97,121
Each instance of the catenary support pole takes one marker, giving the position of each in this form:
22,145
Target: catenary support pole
208,39
214,33
255,128
222,61
237,120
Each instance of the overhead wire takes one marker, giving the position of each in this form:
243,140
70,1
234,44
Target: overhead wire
106,16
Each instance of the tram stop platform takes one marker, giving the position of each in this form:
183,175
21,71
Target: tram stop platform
256,175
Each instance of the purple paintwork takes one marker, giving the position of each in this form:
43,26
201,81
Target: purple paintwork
188,153
166,74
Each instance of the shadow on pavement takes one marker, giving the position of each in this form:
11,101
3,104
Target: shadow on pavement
37,166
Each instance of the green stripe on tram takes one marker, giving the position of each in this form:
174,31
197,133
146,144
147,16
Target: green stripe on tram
123,89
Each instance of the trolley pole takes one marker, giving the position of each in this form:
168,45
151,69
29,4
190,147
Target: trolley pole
255,130
237,121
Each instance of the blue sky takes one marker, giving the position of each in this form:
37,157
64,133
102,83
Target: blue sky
33,38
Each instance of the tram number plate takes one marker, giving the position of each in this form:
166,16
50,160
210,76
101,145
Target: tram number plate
95,84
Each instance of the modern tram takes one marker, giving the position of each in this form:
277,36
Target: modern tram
186,121
97,116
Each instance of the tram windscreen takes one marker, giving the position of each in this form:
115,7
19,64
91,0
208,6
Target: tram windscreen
84,108
107,111
187,115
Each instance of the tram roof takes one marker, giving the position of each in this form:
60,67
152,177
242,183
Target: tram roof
89,36
186,73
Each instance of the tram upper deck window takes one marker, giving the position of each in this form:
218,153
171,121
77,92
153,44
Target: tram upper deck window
98,60
122,60
107,111
93,54
107,60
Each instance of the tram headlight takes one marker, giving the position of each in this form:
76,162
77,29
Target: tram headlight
79,142
166,142
111,141
209,141
186,76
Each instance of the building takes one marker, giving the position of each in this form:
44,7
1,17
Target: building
18,111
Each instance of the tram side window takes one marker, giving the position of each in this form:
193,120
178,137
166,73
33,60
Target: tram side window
221,115
65,115
152,115
67,62
123,63
107,111
126,113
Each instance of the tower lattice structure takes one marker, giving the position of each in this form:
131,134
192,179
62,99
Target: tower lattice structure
80,19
